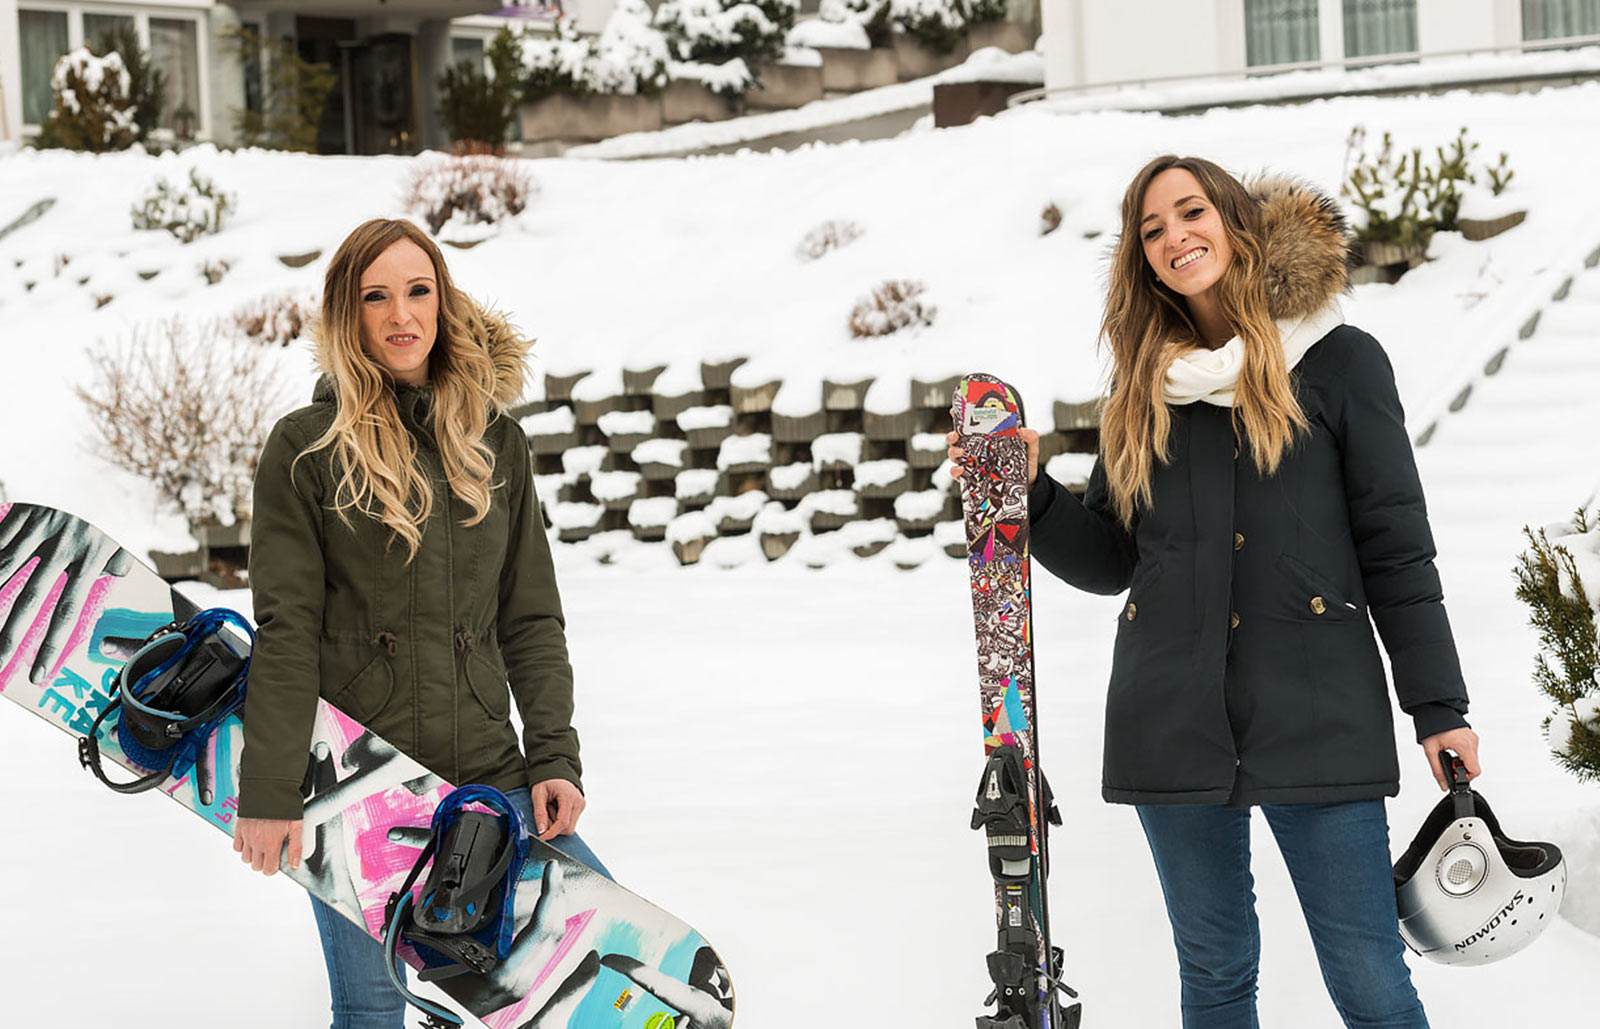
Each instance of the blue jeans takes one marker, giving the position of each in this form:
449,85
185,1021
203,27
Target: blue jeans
363,997
1338,858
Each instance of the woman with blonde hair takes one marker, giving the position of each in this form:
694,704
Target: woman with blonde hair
399,569
1257,496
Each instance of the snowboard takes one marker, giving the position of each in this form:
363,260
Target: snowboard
1013,803
587,954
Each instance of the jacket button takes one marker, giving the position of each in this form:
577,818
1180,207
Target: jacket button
1133,610
1238,541
1233,619
1317,606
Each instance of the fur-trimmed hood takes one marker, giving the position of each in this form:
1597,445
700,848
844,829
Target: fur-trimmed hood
507,348
1307,244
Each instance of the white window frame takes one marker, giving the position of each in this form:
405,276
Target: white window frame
188,10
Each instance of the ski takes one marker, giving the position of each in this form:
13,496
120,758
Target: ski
1014,807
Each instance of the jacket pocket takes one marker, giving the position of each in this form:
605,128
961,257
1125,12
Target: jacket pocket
1314,595
1144,577
365,695
488,684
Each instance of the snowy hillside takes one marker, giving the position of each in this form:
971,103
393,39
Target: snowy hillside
787,758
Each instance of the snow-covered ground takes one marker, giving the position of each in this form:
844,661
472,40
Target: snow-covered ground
786,758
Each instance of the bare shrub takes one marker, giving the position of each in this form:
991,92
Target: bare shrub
188,409
892,306
468,192
276,319
830,235
213,269
1049,219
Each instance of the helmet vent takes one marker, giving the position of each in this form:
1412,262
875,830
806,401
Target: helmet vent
1460,872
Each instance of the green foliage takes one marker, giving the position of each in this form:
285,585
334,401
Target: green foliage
981,11
94,109
717,31
1406,199
294,93
1499,175
1565,622
939,25
477,107
186,213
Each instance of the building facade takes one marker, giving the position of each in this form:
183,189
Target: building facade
1089,42
386,56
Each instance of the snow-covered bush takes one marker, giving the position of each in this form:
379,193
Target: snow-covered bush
188,212
938,25
1406,199
187,408
1550,582
892,306
464,197
874,16
830,235
728,79
629,56
276,319
95,108
714,31
981,11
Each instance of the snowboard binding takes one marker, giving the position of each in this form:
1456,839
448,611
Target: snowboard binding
462,919
181,683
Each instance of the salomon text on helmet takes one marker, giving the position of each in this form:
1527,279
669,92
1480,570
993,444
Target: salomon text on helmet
1467,893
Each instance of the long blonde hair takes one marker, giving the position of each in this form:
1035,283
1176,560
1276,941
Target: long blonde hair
374,453
1147,325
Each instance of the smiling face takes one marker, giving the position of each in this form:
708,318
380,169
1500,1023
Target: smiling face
400,311
1182,233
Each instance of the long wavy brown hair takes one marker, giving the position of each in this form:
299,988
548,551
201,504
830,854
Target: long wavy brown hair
1147,325
373,451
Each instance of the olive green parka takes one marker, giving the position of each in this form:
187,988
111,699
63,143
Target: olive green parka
427,651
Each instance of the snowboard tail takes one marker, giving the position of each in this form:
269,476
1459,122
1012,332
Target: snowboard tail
1013,805
586,953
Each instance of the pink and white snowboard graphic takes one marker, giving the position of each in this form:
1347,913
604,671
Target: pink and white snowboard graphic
587,954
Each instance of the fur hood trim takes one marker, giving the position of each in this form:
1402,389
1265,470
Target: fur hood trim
507,348
1307,244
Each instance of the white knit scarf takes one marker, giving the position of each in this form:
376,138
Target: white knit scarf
1209,375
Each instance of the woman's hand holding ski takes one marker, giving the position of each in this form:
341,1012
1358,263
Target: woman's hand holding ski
1028,436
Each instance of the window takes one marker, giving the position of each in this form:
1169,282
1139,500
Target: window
174,48
250,65
1280,32
1373,27
42,40
1560,19
466,50
97,28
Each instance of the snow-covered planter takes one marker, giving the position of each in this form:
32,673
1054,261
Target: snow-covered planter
951,537
836,35
745,454
1485,214
919,511
705,92
695,487
186,212
892,306
649,517
707,426
866,538
466,199
778,529
616,490
836,451
830,509
94,108
575,521
851,70
882,479
792,81
688,534
551,432
874,17
660,458
734,515
907,554
792,481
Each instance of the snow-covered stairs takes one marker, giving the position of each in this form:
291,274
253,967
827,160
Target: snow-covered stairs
1525,448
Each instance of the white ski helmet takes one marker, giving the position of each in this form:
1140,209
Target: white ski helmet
1468,894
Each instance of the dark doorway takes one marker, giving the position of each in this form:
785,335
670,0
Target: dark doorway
317,40
383,109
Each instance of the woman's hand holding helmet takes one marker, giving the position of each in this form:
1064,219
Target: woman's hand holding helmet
1463,741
